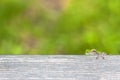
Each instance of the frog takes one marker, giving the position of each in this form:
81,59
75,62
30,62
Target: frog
96,53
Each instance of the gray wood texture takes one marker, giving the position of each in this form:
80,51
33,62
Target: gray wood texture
59,67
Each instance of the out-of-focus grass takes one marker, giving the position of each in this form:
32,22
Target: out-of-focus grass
59,27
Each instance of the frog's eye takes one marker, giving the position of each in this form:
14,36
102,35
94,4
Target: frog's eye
93,50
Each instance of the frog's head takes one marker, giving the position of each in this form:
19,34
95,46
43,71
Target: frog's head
93,50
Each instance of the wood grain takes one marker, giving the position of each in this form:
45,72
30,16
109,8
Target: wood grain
59,67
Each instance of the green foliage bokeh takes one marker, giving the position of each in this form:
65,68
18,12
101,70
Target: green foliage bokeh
29,27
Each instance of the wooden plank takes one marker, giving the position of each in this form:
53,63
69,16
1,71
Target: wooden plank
59,67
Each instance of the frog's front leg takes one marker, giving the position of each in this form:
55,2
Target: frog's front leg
103,54
97,57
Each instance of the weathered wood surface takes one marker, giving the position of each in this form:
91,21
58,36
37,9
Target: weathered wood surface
58,67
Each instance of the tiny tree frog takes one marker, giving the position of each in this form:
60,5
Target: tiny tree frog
95,52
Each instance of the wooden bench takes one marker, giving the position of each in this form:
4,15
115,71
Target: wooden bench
59,67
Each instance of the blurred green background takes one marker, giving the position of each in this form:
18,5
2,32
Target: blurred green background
59,26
